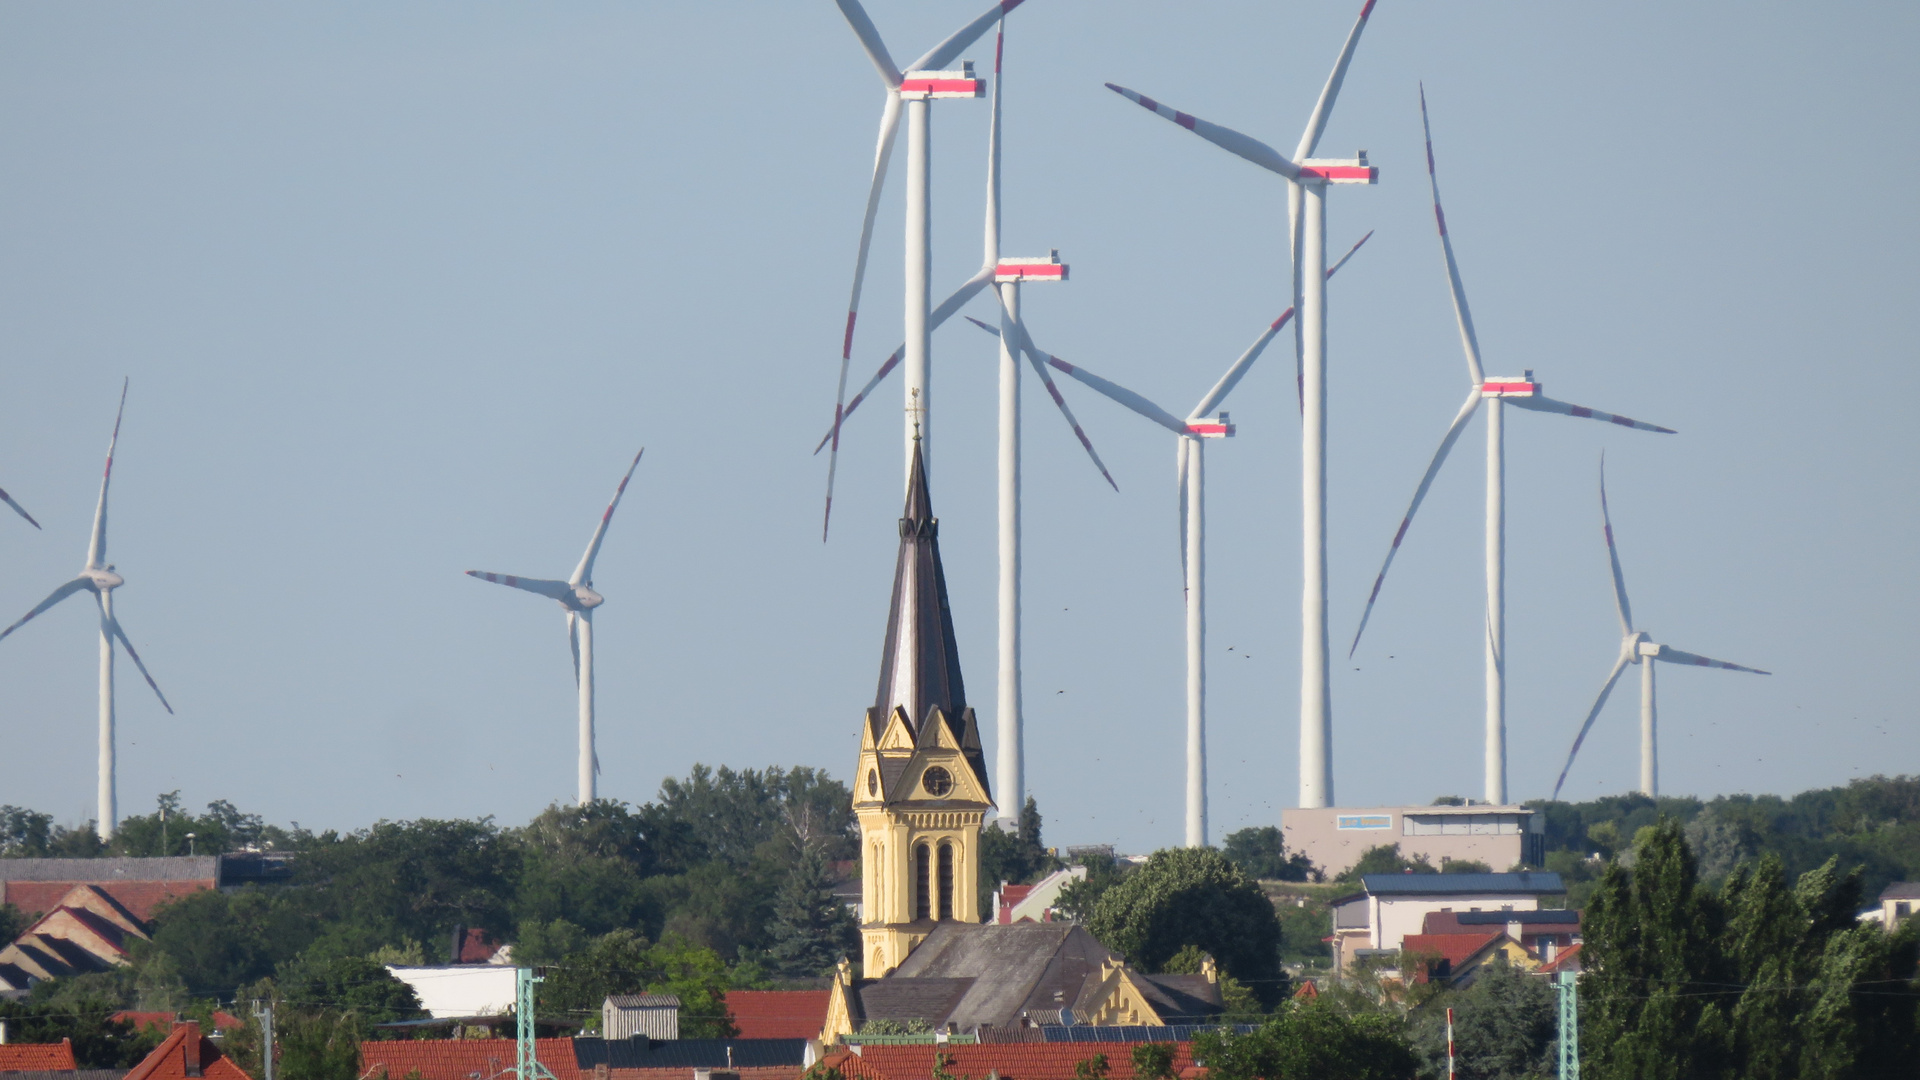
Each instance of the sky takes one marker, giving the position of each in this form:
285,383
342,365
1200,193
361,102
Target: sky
401,289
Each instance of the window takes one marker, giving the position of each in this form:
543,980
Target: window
873,782
1901,909
946,881
923,875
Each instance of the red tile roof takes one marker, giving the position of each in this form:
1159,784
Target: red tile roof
778,1014
759,1072
463,1059
20,1057
1010,1061
138,897
222,1020
1567,960
476,948
186,1053
1456,949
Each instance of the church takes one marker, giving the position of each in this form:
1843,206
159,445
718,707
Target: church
921,797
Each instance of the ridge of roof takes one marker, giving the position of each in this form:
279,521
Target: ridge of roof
1531,882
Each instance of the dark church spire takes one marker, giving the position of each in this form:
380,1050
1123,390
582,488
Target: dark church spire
920,664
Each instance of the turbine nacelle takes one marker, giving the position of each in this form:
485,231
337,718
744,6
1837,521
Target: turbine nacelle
584,599
1506,386
920,85
102,579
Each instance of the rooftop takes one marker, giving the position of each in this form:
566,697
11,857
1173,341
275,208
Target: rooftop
1523,883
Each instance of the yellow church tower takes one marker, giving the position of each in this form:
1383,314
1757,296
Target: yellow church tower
920,792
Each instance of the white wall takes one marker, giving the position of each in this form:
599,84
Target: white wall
463,990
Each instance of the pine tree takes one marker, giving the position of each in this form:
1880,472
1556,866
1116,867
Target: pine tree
811,928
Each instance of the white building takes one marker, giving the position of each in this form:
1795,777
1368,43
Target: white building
1502,837
459,990
1389,907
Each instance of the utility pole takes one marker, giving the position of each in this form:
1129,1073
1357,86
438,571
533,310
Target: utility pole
529,1067
1569,992
263,1012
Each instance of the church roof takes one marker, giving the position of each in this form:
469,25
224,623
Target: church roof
920,663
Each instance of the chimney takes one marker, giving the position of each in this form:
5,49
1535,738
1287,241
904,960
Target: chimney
190,1045
459,940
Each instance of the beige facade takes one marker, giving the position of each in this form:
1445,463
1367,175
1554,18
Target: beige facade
919,805
1502,837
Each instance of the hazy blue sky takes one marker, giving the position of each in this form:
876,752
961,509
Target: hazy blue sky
402,287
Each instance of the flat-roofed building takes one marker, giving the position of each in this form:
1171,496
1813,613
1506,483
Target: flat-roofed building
1389,907
1502,837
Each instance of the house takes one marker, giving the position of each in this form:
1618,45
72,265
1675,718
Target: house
1897,903
778,1014
137,885
657,1016
1568,960
1389,907
37,1057
1033,903
1544,931
86,930
1456,959
1335,838
187,1054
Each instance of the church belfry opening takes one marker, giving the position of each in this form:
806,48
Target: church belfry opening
923,792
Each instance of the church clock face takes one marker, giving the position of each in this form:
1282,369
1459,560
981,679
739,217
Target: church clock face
936,781
873,782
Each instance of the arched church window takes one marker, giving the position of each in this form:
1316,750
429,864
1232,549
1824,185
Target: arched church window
946,880
923,879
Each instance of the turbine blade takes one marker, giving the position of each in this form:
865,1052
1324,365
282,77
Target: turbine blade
869,36
1324,107
949,50
964,293
1620,604
1040,369
113,625
1239,369
18,509
55,597
97,546
1671,655
1225,138
583,574
1598,703
992,252
882,154
967,291
1419,493
1549,405
573,642
1180,492
1469,341
1112,390
558,590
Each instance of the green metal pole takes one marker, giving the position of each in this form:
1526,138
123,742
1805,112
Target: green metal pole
529,1067
1569,994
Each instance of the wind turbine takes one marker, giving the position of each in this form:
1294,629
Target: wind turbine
1191,498
1636,647
576,595
916,87
18,509
99,578
1496,392
1307,217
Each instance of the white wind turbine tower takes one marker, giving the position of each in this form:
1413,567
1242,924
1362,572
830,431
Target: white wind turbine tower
1307,217
917,86
576,595
1192,502
1636,647
1495,392
99,578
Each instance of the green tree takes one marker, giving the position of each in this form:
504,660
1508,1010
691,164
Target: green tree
585,865
1093,1068
1153,1061
1194,896
1261,853
1079,899
1385,859
1653,967
811,929
1311,1041
726,816
320,1045
347,984
411,880
1506,1027
24,834
1018,857
80,1008
623,962
540,944
211,942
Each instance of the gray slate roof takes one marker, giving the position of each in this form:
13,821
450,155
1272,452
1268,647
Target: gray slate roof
1554,916
170,868
641,1052
1526,882
644,1001
1901,890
